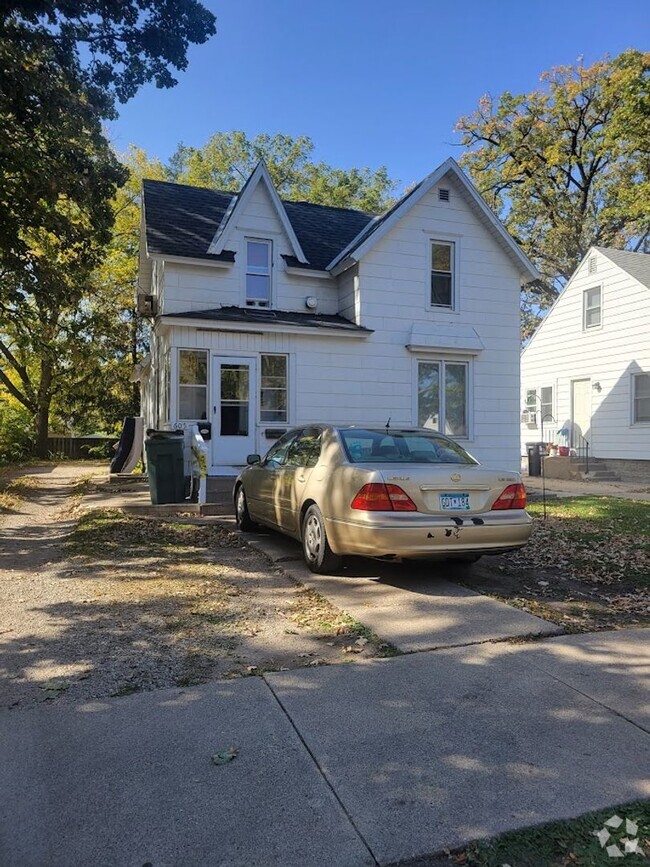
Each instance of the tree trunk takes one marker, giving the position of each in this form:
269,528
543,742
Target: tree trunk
43,409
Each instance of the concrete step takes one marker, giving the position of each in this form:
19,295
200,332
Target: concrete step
602,476
216,509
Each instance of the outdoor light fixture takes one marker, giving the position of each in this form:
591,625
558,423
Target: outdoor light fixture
597,386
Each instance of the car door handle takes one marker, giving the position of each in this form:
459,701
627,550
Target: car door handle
301,479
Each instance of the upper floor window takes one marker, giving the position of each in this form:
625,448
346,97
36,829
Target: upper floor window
442,274
258,272
592,308
641,398
192,384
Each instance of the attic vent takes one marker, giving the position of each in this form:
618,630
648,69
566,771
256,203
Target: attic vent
443,195
593,264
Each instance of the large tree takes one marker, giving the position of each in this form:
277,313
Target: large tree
64,66
228,158
566,166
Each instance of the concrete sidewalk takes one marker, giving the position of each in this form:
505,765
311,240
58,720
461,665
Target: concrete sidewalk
358,764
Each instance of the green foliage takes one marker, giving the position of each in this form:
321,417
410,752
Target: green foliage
227,159
62,323
567,166
16,431
559,844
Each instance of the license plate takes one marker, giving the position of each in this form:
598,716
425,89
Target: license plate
454,502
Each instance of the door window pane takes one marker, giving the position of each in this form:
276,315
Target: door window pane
273,389
456,400
277,453
235,398
192,384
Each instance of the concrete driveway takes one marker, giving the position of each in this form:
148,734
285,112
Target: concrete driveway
414,606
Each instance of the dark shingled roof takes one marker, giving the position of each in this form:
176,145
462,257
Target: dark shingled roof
260,316
182,221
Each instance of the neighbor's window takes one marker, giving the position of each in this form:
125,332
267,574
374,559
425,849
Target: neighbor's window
258,273
591,308
641,392
273,389
442,274
546,405
192,384
443,401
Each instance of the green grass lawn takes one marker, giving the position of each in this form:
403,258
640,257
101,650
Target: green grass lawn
564,844
587,565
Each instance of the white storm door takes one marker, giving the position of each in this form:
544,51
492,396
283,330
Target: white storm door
234,410
580,410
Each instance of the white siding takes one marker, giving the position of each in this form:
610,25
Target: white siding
368,380
562,351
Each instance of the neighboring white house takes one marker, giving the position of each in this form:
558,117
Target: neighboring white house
586,370
269,314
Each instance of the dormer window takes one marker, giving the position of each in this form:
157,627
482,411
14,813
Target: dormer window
258,272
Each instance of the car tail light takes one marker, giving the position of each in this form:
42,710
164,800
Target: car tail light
513,497
378,497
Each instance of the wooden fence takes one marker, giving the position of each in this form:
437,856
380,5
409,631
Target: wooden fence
82,448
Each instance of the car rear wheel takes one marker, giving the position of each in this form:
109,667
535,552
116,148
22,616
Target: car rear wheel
244,522
318,555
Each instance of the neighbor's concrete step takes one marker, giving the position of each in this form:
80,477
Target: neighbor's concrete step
601,476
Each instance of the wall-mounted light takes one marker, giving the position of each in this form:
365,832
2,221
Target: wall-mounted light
597,386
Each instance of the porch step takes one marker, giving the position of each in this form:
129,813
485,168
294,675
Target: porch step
216,509
601,476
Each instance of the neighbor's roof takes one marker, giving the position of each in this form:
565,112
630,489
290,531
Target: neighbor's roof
637,265
182,220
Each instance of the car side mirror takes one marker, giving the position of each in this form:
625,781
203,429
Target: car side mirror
253,459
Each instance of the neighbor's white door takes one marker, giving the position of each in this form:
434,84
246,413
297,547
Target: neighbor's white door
580,410
233,411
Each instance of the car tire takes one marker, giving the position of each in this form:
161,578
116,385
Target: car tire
242,516
318,555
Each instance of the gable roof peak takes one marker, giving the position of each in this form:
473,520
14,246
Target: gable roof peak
260,174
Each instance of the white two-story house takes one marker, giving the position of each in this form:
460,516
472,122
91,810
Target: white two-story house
586,371
268,314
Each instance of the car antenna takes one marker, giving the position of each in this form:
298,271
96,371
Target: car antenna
388,423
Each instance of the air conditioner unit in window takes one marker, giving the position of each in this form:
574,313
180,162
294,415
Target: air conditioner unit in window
529,417
147,305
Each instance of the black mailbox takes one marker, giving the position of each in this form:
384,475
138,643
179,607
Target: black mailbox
274,433
205,429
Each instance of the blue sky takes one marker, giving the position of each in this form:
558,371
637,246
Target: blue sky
371,82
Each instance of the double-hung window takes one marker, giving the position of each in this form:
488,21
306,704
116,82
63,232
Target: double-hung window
442,274
641,398
546,405
592,308
259,259
192,384
273,389
443,397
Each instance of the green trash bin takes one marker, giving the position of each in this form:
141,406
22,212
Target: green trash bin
165,465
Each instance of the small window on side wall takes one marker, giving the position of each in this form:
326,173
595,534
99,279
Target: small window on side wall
641,398
442,274
592,308
192,384
258,272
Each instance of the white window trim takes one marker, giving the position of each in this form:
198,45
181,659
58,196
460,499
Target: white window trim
265,424
432,236
449,359
586,327
633,377
271,246
177,380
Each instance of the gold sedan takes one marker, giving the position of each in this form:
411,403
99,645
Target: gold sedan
379,492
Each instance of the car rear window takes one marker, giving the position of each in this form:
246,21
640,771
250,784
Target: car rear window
412,447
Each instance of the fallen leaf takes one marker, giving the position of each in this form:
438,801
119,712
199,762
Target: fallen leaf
225,756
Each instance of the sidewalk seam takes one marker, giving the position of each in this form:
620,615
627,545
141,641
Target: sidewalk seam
590,697
322,773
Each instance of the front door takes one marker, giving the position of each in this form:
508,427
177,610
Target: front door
234,410
580,411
